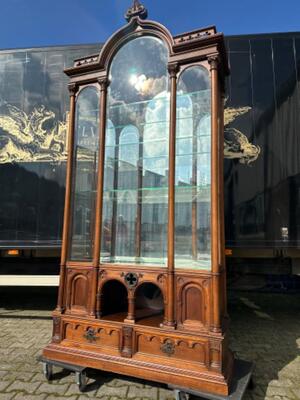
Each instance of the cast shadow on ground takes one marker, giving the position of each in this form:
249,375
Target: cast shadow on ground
265,329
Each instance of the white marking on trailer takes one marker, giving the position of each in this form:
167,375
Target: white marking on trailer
29,280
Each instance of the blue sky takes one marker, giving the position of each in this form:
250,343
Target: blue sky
26,23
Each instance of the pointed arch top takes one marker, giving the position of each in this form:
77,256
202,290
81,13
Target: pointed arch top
135,28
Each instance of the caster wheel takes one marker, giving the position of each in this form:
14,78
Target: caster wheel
48,371
81,380
181,395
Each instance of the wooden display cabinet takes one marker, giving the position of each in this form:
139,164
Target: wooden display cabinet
143,281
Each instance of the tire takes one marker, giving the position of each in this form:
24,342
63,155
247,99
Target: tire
48,371
179,395
81,380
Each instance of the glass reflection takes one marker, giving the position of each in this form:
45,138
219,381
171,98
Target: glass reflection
193,170
85,174
134,222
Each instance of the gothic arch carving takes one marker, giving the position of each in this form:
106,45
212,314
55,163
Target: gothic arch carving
79,290
192,299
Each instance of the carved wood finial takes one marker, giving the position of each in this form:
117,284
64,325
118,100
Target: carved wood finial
136,10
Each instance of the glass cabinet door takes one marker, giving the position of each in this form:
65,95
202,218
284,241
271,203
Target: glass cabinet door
135,203
85,174
193,170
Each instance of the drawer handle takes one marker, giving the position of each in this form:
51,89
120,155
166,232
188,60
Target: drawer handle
90,335
168,348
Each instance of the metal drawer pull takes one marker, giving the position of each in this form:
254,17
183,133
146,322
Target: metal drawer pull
168,348
90,335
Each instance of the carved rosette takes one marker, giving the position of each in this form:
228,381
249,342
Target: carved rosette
131,279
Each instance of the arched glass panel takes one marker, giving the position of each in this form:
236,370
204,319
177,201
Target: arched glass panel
85,174
129,146
135,220
193,176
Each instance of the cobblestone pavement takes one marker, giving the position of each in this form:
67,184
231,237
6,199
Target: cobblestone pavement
265,329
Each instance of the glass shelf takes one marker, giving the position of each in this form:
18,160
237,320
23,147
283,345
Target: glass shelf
164,98
158,195
106,258
161,122
162,156
178,187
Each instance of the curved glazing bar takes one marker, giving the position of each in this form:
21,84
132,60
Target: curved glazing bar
85,174
134,225
193,170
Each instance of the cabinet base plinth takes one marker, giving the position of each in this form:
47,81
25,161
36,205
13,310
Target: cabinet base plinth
202,380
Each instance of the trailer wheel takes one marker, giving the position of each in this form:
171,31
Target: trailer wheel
81,380
48,371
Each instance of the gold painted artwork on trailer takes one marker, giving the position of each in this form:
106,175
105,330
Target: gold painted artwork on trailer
33,137
236,143
28,137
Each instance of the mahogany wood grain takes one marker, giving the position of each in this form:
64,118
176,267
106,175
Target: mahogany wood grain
170,318
99,199
215,178
67,209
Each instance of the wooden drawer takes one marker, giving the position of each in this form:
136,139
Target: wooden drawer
192,350
86,335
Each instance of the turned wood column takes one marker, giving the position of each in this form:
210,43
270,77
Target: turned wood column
215,190
103,82
170,309
130,319
67,210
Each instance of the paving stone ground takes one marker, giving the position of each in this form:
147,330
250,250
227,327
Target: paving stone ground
265,328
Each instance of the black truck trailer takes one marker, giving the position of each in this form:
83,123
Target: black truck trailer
262,157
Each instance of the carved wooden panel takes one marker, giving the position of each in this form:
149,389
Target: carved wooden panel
92,335
78,284
157,276
180,349
79,291
127,342
193,302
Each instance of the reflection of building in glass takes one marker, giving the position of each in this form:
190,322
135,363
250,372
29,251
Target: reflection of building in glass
261,113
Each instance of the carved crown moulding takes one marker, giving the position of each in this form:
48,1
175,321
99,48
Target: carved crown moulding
193,44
